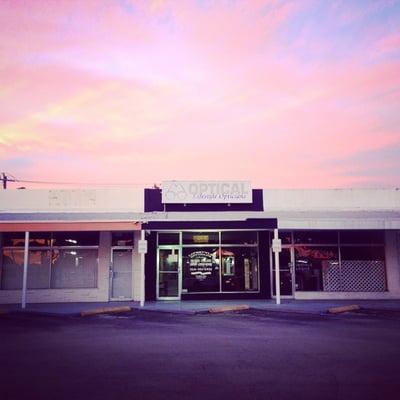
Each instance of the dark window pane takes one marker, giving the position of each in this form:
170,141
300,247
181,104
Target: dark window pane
313,265
316,237
362,236
12,268
168,277
239,269
14,239
122,238
200,270
200,238
285,278
168,238
75,238
285,273
39,269
373,253
168,285
168,260
240,237
40,239
285,236
74,268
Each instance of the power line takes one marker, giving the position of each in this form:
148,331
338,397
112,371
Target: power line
10,178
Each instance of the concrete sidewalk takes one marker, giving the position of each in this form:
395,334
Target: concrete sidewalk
194,307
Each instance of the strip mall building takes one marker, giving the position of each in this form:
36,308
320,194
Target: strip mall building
198,240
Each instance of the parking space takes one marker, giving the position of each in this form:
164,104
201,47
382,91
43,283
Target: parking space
158,355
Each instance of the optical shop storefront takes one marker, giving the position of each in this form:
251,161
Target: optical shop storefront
335,244
211,247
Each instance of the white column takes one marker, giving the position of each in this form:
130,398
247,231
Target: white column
277,274
142,281
25,274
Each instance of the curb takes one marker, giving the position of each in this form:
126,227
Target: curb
224,309
105,310
342,309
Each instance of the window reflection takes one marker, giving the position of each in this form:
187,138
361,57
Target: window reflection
315,237
201,269
311,265
200,237
239,269
239,237
122,238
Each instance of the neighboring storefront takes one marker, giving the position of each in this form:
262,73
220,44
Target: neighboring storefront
205,240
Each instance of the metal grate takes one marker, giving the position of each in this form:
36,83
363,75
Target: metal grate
331,276
355,276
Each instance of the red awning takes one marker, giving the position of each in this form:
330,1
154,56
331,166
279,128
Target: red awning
57,226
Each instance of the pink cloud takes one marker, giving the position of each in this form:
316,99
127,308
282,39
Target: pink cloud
389,44
95,93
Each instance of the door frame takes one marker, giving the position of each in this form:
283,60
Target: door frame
111,272
177,248
292,270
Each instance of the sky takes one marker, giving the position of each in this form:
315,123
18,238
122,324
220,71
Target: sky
286,94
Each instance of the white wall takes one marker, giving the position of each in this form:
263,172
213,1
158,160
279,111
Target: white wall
63,200
136,275
331,199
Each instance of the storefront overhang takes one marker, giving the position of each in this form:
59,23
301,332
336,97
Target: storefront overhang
250,223
60,226
69,221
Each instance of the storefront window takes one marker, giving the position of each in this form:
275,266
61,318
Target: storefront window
39,269
285,236
201,269
239,269
71,265
239,237
14,239
40,239
168,238
200,238
315,237
75,238
312,266
122,239
74,268
356,265
12,268
362,237
373,253
213,266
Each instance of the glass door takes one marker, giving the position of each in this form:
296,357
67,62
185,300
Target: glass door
286,272
169,273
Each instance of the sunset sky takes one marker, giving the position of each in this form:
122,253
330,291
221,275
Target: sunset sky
286,94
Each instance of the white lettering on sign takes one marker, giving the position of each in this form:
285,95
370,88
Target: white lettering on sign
206,192
72,198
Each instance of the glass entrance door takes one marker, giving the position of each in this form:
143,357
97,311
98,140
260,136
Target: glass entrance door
286,272
169,273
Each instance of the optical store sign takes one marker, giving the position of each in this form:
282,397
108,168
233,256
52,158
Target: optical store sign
206,192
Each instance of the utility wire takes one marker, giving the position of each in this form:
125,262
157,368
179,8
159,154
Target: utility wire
6,177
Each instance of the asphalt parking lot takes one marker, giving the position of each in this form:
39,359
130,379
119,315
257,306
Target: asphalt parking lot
153,355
